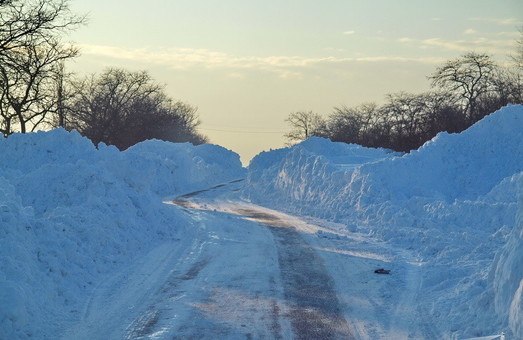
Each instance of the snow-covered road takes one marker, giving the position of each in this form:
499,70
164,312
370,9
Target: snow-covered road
255,273
310,296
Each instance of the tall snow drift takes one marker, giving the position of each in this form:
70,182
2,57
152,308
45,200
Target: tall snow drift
453,201
451,166
508,274
71,213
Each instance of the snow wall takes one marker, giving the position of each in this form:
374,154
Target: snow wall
451,166
453,201
508,274
70,214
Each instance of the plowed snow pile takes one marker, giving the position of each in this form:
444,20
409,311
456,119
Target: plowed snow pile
70,214
454,200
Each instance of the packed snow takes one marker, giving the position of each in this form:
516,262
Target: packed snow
88,243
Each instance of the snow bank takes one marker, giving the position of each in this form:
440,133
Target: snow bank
453,201
463,166
451,166
508,274
71,214
315,173
178,168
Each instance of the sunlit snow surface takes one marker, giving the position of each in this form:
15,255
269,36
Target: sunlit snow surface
453,202
90,250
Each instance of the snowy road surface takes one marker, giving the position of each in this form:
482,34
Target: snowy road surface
255,273
314,309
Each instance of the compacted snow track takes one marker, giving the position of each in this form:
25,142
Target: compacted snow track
314,309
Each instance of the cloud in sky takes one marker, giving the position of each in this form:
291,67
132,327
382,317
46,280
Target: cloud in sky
187,58
481,43
499,21
349,32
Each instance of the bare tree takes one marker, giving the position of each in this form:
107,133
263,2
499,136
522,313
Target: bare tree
405,112
122,108
27,83
403,123
375,125
416,118
517,58
304,124
23,22
513,80
365,125
345,125
442,114
30,51
470,77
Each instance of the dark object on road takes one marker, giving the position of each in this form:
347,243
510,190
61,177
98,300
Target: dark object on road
382,271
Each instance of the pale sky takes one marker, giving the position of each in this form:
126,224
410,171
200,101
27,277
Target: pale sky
247,64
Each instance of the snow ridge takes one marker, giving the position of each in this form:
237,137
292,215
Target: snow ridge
453,200
71,213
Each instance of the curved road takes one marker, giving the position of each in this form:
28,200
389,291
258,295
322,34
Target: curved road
301,304
248,272
242,271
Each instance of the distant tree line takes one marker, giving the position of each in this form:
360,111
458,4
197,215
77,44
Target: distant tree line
464,90
117,107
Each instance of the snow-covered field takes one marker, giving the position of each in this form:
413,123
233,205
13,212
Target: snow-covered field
91,246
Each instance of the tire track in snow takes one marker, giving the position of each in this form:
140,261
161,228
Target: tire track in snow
314,308
148,322
212,307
